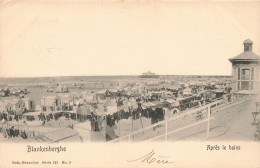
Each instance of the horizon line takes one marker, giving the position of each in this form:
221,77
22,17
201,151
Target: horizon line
100,76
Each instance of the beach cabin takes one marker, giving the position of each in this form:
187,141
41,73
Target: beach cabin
50,103
2,93
83,95
219,93
62,89
50,89
112,93
29,104
19,107
187,91
65,102
121,92
170,103
19,93
187,102
90,97
12,105
7,91
13,91
101,96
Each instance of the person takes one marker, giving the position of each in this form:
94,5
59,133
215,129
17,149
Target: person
199,104
23,135
12,131
69,116
100,123
96,124
92,123
6,133
16,132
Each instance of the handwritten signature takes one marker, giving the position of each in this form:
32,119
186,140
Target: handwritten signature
152,158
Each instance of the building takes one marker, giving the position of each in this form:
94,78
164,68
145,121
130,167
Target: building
17,106
2,93
101,96
62,89
29,104
149,75
50,103
245,71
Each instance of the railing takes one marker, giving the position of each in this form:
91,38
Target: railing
197,114
177,123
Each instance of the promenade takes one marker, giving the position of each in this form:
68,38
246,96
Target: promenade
228,122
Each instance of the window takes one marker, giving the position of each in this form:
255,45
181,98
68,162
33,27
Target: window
245,85
246,47
245,74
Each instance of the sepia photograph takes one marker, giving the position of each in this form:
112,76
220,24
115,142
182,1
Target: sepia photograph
78,77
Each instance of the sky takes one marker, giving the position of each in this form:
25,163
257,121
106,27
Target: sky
89,38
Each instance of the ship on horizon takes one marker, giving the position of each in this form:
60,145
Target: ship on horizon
149,74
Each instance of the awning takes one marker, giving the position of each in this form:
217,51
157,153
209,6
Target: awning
74,111
171,101
32,113
218,91
157,103
148,105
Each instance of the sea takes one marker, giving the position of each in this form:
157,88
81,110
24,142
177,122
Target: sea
68,79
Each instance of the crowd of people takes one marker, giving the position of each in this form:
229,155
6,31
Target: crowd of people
6,117
13,132
120,99
155,114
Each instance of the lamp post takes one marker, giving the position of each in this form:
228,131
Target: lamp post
132,121
119,121
119,115
18,123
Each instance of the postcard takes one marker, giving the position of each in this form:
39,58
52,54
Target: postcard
129,83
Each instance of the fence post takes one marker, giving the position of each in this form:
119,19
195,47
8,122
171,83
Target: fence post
208,127
166,131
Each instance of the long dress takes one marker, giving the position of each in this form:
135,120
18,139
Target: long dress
96,125
100,123
92,124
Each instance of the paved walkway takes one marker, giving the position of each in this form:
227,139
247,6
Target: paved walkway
233,123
